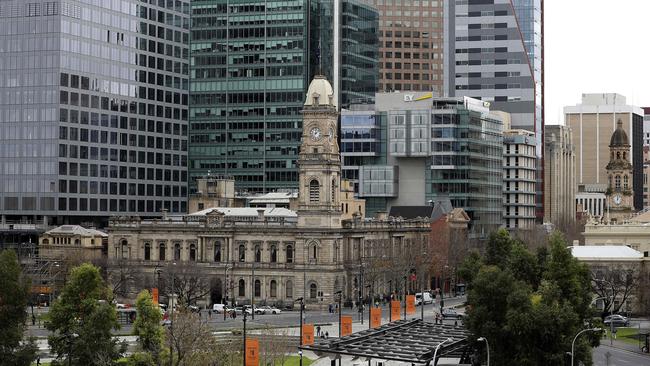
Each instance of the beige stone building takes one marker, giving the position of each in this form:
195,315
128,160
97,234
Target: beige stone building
593,122
519,169
71,241
276,255
559,177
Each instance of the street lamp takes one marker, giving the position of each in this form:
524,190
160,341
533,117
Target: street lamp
171,324
301,300
483,339
245,313
370,301
390,299
340,293
435,353
576,337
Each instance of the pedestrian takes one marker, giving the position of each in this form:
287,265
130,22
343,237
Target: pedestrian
209,313
455,323
327,334
38,361
318,331
33,320
614,331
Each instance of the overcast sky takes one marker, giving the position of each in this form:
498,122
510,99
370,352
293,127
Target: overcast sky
595,46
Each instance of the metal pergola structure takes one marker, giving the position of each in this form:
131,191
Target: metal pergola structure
412,341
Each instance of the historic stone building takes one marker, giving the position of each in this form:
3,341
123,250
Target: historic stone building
276,255
620,189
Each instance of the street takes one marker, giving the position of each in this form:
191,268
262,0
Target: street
618,357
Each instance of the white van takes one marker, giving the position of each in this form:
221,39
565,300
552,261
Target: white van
428,299
218,308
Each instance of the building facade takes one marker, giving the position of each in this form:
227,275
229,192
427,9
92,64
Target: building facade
415,150
620,187
251,63
411,39
559,177
276,255
94,105
593,122
519,167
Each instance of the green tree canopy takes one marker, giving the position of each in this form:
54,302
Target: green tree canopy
529,307
147,324
14,292
82,319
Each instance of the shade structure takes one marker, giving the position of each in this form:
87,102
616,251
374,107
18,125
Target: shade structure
410,340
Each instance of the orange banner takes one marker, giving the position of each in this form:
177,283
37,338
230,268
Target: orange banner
154,295
375,317
395,307
410,304
252,352
307,334
346,325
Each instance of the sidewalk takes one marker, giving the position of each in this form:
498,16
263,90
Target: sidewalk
623,345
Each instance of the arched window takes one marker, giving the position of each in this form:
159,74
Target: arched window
333,190
618,155
609,181
313,290
258,254
125,249
617,180
177,252
161,251
625,182
313,251
242,288
274,288
289,253
289,289
192,252
314,191
147,251
624,155
77,242
274,254
242,253
45,241
217,251
258,288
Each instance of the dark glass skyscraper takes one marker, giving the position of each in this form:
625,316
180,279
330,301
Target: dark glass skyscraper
251,62
93,108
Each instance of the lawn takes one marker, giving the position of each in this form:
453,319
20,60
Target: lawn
295,361
627,335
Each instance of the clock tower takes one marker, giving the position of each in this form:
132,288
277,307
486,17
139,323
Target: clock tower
319,160
620,192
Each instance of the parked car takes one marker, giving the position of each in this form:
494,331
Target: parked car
240,310
428,299
194,308
267,310
218,308
451,313
617,320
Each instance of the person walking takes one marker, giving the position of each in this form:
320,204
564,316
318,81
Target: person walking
318,331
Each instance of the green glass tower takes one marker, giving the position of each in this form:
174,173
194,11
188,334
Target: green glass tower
250,65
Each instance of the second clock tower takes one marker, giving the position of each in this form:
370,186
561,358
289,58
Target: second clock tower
620,192
319,160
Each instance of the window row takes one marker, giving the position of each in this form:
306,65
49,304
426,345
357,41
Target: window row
115,188
125,156
119,205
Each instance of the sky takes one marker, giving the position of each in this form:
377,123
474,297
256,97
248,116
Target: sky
595,46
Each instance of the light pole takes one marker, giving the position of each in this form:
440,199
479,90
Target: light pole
405,284
225,299
435,353
301,306
340,293
171,324
576,337
390,299
483,339
253,292
369,292
245,336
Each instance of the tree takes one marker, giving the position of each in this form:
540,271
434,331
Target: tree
192,340
529,306
120,275
189,283
147,325
617,283
82,319
14,292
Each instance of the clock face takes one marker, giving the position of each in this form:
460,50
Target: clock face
315,134
618,199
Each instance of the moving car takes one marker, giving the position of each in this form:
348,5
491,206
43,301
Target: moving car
267,310
451,313
617,320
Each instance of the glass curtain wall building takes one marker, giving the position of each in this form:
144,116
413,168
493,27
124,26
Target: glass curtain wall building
251,62
93,108
494,52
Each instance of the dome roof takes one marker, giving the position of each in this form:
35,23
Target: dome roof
320,92
619,137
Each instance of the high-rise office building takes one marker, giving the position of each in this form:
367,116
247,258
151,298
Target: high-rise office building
493,51
415,150
411,39
93,105
559,176
251,62
593,121
519,167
